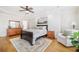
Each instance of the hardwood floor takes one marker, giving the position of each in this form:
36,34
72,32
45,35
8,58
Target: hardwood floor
58,47
6,46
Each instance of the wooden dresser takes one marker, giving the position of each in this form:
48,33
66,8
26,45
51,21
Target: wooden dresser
13,31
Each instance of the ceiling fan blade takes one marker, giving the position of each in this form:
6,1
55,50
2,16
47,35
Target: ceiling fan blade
31,11
30,8
21,10
26,8
22,7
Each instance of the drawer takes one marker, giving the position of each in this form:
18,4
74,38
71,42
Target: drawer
11,32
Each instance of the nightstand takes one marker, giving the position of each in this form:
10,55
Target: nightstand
51,34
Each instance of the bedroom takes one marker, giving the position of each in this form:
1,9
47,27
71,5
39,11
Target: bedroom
56,19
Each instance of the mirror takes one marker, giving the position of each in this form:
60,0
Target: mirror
14,24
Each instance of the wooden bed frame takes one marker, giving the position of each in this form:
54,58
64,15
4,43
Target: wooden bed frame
29,36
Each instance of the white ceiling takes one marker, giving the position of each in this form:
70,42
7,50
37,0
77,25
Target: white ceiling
38,10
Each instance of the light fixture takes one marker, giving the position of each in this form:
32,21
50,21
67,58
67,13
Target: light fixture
27,12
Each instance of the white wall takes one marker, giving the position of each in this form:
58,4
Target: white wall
5,16
3,24
77,17
61,18
12,13
58,17
54,20
67,17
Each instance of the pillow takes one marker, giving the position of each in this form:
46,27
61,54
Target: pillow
64,33
41,27
44,27
38,27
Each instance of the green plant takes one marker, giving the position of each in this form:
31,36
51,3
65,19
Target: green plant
75,39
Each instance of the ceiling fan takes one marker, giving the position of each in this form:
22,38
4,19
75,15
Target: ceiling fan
26,8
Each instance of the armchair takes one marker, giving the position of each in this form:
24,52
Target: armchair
65,40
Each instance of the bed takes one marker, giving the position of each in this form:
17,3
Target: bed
31,35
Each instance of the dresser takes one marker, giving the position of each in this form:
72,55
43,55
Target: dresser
13,31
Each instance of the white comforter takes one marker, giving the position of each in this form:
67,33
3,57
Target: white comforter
37,33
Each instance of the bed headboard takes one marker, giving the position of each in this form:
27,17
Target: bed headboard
43,26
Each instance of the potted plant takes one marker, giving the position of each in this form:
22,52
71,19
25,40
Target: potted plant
75,40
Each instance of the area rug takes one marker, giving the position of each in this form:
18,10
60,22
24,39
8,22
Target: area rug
24,46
